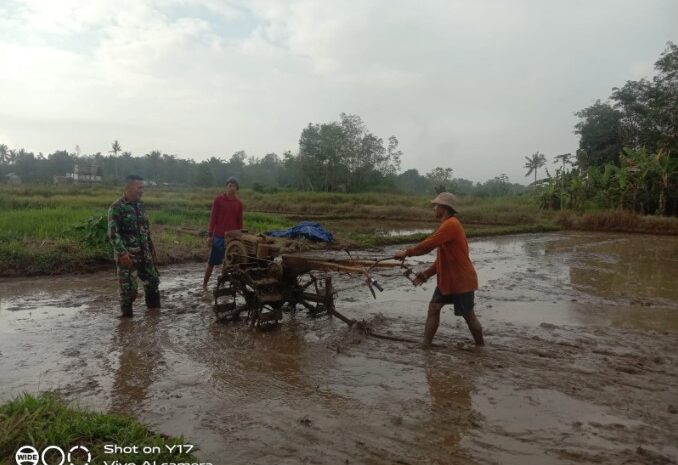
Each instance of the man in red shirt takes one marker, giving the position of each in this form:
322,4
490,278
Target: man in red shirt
226,216
456,277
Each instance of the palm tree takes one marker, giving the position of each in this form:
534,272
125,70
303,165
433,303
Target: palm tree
115,149
533,163
564,158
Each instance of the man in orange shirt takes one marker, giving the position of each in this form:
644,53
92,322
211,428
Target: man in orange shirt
456,276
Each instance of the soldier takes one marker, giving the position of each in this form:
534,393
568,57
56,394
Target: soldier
133,249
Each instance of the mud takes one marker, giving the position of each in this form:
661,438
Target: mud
581,362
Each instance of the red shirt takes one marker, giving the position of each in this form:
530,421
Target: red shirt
226,215
453,267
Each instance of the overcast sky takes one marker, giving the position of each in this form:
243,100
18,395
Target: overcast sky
471,85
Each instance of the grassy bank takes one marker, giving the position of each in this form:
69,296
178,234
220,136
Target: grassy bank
44,420
57,229
618,221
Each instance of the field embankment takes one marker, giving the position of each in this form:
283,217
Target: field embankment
619,221
60,229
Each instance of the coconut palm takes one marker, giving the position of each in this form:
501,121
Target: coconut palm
533,163
115,146
564,159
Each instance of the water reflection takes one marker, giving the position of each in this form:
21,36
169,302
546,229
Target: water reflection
451,411
136,339
631,266
402,232
580,278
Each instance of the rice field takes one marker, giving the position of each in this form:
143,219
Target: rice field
53,229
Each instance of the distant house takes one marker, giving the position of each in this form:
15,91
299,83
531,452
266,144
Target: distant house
12,178
85,174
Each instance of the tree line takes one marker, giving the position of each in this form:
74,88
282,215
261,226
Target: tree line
339,156
628,149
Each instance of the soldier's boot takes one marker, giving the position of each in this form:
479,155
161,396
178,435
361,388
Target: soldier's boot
126,308
152,297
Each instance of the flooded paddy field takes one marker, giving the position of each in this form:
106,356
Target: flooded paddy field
581,362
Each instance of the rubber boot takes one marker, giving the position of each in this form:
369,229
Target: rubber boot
152,298
126,309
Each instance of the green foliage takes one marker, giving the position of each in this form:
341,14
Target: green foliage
262,189
94,231
439,178
203,175
344,156
650,107
599,135
45,420
642,114
642,182
533,163
627,149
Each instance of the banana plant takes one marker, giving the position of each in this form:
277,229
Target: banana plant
668,172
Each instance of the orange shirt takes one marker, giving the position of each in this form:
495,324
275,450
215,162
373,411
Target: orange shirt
453,267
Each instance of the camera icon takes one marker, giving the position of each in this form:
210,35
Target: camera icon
29,455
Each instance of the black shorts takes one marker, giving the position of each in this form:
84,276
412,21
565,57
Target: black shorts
463,303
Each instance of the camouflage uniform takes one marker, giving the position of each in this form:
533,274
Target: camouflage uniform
129,231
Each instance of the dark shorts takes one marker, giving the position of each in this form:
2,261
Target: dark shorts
217,251
463,303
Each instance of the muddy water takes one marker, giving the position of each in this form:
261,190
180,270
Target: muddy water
581,364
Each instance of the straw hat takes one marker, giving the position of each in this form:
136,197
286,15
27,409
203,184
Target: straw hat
448,199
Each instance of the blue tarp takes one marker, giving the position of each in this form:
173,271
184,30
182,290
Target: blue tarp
307,229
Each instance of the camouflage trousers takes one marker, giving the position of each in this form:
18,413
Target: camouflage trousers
127,281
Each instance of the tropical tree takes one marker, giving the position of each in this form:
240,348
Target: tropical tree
649,108
564,159
639,114
115,149
4,152
560,174
152,162
439,178
533,163
600,135
344,155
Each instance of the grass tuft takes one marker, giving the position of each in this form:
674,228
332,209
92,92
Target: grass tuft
45,420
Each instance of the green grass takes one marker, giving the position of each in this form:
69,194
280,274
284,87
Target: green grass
45,420
39,230
45,229
42,223
42,228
